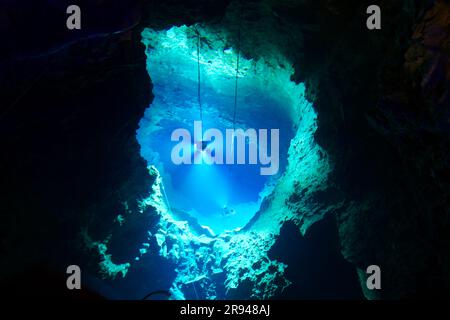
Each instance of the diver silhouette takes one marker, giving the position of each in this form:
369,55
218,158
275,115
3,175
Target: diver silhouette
227,211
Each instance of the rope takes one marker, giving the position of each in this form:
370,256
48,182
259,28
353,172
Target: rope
198,75
237,67
165,196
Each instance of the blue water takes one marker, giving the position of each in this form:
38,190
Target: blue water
205,190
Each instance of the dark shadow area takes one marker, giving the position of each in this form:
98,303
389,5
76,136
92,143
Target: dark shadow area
316,267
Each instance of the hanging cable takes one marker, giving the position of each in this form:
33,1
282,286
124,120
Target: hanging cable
165,196
237,66
198,75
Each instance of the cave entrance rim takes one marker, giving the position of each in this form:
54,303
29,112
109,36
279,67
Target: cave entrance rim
219,197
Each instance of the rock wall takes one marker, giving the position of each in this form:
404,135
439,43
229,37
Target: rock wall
382,102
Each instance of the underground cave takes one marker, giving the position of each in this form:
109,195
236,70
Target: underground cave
220,221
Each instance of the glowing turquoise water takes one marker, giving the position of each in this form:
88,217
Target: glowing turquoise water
205,190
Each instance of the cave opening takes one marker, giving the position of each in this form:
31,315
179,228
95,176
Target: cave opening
222,196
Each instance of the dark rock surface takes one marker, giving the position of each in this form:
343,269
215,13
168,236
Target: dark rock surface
388,116
315,265
70,157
